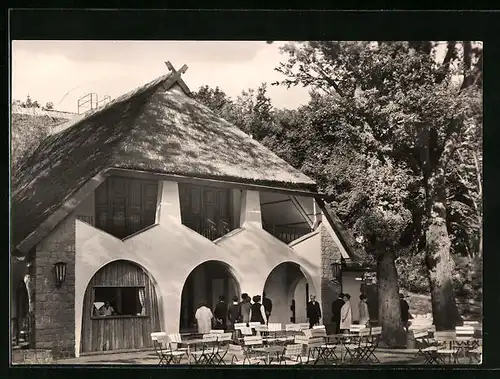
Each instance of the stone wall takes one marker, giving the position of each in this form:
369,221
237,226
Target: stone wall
55,307
330,253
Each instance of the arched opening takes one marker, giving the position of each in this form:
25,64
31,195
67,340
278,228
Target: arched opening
288,288
120,309
206,282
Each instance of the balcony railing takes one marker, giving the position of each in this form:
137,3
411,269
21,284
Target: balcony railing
287,234
209,228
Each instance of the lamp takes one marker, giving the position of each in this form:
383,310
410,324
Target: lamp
336,269
60,273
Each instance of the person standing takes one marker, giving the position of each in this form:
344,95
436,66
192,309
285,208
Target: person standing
405,311
364,314
234,313
245,306
220,314
204,318
257,311
346,314
336,307
313,312
268,306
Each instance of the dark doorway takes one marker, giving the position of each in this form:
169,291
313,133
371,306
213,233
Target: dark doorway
206,282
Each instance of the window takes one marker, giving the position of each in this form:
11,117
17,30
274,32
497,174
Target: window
125,206
119,301
206,210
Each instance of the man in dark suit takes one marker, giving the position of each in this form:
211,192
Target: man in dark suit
336,307
268,305
313,312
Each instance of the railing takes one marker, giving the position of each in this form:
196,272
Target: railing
209,228
287,234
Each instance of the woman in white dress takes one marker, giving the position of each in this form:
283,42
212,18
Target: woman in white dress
346,314
204,318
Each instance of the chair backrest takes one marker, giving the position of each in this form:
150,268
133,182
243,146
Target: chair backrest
445,336
301,340
216,331
293,349
465,331
239,325
473,323
308,333
210,337
274,326
318,332
175,337
261,328
292,328
253,324
364,332
355,328
252,340
225,337
158,336
246,331
315,342
319,327
303,325
377,330
422,333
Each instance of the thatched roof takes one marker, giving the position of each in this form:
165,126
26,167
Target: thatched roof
156,128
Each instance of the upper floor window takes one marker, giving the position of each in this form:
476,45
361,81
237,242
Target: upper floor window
206,210
125,206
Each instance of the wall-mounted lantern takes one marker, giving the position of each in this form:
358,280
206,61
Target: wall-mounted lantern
60,273
336,270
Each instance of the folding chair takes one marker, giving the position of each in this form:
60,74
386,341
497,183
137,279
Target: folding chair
237,329
251,342
446,340
427,349
209,349
465,340
223,339
314,350
273,329
158,338
236,350
175,338
355,350
291,330
292,355
367,353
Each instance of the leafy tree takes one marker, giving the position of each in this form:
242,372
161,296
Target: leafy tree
413,113
49,106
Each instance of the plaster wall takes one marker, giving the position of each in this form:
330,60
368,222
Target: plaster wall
169,251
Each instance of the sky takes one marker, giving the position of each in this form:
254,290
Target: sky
63,71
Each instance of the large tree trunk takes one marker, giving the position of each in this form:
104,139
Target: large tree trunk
393,334
437,256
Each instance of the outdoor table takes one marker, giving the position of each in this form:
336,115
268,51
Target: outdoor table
189,343
342,337
268,350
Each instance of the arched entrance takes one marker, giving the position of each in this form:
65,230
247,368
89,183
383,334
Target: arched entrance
288,288
206,282
120,309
